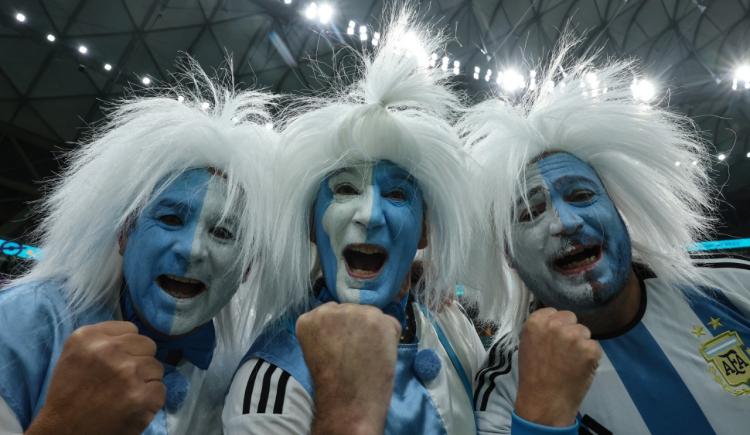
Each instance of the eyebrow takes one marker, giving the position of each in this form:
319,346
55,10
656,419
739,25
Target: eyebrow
532,192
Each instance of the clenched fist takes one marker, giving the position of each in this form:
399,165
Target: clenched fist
106,381
557,360
351,353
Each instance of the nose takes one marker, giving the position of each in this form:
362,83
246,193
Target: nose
190,247
369,212
568,222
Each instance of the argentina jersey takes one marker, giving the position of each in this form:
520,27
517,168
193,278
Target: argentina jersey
682,367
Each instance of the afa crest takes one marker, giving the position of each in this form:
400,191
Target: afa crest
729,362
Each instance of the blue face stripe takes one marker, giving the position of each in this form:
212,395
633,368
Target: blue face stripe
153,249
661,397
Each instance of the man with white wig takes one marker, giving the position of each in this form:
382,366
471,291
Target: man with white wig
372,175
129,321
595,200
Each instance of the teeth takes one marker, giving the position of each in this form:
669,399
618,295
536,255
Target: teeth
183,280
367,249
580,263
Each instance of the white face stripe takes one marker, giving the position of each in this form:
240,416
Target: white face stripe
212,260
531,238
347,223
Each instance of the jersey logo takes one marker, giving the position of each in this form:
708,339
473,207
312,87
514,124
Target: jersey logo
729,362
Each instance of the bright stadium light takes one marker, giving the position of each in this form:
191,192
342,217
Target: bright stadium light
511,80
146,80
721,157
444,65
20,17
325,13
83,49
107,67
51,37
643,90
741,75
311,12
456,67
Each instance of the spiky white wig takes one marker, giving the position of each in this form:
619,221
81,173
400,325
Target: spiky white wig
146,143
398,110
591,114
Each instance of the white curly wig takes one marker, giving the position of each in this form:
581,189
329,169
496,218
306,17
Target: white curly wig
145,143
399,111
632,147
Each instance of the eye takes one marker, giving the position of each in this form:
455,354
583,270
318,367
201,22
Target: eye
171,219
222,233
396,195
527,214
345,189
581,195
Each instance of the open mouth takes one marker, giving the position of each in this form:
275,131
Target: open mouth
180,287
578,260
364,261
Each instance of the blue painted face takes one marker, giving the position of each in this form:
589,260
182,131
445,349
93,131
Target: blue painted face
179,261
570,246
368,224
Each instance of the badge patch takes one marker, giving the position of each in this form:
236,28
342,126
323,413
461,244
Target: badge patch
728,361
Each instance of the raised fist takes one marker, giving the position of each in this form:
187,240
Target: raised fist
557,360
351,353
106,381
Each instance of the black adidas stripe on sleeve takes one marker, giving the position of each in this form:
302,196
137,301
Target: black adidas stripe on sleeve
266,389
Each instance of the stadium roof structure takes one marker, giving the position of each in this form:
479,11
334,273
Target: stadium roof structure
61,59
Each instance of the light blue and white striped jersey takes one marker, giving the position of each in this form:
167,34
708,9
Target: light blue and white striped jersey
683,367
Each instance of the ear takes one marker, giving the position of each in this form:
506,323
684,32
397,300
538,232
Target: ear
425,234
508,258
311,226
122,240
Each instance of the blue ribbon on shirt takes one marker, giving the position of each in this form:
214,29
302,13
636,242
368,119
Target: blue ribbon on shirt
196,346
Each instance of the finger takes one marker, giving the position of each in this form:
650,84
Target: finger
564,317
154,395
136,344
149,369
396,326
111,327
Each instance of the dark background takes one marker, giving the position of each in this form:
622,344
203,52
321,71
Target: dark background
50,92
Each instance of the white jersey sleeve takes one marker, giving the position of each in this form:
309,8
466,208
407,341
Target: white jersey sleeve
495,391
265,399
730,274
9,424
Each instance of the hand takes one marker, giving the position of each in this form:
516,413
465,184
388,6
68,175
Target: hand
351,353
557,360
106,381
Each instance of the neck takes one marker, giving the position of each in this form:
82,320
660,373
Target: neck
616,314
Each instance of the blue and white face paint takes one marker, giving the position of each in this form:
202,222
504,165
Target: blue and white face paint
570,246
368,224
179,261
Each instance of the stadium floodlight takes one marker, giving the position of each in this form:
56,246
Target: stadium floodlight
20,17
512,80
643,90
325,13
51,37
311,11
83,49
107,67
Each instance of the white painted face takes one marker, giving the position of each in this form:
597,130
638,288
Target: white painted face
368,223
180,257
570,245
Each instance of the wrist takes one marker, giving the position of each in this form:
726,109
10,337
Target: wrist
521,426
553,413
46,422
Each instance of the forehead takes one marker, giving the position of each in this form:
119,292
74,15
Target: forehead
563,165
382,170
190,186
